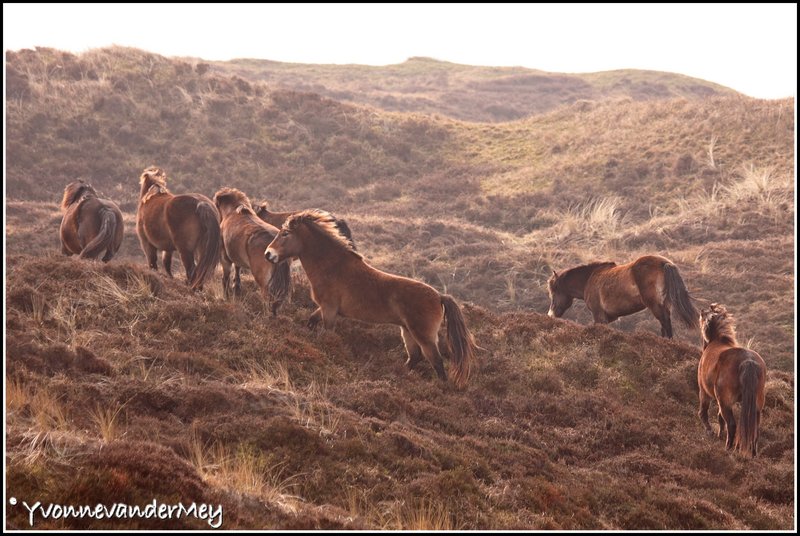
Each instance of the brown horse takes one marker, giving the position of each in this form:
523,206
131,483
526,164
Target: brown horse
188,223
279,218
611,291
728,374
342,283
90,225
244,238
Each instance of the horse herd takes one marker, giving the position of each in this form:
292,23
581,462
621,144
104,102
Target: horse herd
232,231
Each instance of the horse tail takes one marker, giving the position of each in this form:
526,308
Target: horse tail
279,285
747,431
461,342
209,222
679,298
105,236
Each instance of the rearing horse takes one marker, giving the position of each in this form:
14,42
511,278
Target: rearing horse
342,283
90,225
244,238
188,223
728,374
611,291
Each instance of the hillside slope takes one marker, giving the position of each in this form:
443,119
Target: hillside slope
115,374
467,92
485,211
121,387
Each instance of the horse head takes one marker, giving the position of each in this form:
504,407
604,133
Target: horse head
560,299
230,199
75,191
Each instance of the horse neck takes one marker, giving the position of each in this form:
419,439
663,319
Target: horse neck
575,280
322,259
275,219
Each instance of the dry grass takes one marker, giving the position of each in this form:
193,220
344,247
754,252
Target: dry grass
105,418
244,471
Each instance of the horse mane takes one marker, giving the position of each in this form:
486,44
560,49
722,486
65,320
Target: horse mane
154,174
718,324
583,269
75,191
324,223
157,178
234,196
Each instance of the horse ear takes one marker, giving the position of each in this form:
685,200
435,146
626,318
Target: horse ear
554,273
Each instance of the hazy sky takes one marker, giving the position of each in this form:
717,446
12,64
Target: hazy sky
750,48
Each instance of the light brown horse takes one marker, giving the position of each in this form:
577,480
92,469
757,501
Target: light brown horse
244,238
188,223
90,225
728,374
611,291
279,218
342,283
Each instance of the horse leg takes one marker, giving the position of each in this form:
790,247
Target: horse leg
151,253
730,423
412,349
261,272
187,258
705,402
329,316
226,277
237,281
430,349
166,260
662,315
600,316
314,319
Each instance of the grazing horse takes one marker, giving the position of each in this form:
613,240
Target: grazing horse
342,283
728,374
611,291
244,239
278,218
188,223
90,225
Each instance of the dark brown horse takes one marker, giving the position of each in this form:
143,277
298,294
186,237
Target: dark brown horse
244,239
611,291
188,223
279,218
728,374
90,225
342,283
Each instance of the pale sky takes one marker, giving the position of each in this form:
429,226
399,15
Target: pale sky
750,48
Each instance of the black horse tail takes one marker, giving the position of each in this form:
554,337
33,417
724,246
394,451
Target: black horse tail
462,344
344,229
279,284
747,432
104,238
212,243
679,298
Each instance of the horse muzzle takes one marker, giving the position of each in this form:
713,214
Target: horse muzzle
271,256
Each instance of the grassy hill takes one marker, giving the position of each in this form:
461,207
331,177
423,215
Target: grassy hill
466,92
121,387
565,427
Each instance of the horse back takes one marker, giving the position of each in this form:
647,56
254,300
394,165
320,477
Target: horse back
183,221
246,237
613,289
728,365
